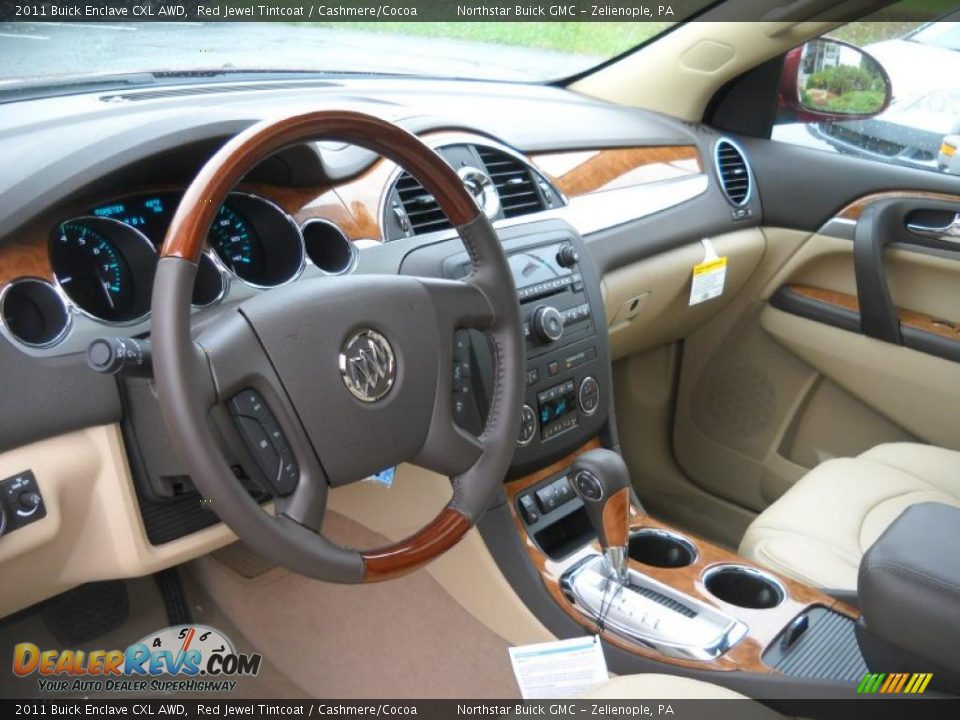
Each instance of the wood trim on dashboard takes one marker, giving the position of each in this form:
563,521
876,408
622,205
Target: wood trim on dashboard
355,204
855,209
581,172
443,532
763,625
908,318
188,229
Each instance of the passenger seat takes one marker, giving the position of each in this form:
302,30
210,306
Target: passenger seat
820,529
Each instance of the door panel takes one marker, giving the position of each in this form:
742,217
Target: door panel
784,390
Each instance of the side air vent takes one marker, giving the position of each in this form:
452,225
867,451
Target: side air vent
733,171
422,210
516,183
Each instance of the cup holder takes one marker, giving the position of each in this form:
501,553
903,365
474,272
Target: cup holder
662,549
743,586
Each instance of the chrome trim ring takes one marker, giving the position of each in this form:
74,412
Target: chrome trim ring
288,218
73,304
354,253
746,165
7,332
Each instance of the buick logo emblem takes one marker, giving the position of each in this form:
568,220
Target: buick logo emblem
367,365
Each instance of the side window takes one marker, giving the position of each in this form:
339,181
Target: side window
920,128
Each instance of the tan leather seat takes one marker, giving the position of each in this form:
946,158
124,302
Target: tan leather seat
819,530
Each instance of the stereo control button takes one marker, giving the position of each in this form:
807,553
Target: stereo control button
547,324
568,256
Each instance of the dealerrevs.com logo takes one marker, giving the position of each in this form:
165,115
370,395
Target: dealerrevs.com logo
186,658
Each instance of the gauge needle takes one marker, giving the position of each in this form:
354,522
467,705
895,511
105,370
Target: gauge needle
106,288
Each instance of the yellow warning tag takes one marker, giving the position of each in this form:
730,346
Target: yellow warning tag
708,279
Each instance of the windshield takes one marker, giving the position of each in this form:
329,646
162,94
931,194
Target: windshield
941,34
514,51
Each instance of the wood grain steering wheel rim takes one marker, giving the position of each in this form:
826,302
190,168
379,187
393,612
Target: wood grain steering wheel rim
195,374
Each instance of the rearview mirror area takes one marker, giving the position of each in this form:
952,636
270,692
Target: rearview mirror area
832,80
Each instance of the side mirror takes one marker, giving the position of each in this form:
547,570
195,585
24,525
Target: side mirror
832,80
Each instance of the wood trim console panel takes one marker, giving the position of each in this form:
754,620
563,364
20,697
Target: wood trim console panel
763,625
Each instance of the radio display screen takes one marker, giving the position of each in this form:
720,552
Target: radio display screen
537,265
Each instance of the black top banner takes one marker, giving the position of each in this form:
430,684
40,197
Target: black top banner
386,11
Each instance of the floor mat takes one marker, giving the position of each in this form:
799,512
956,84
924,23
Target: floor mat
405,638
147,615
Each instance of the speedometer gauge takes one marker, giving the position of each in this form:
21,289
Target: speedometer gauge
257,241
236,243
105,267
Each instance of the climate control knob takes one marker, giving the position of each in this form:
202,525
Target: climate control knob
547,324
589,395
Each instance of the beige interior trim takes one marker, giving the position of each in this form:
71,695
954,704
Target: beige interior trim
921,391
468,572
680,72
647,303
93,530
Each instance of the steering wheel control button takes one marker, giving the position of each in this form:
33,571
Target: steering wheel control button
266,442
587,486
368,366
589,395
20,501
547,324
528,425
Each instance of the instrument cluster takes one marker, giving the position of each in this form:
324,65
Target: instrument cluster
104,262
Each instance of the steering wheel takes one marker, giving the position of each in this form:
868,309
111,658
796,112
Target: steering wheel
356,370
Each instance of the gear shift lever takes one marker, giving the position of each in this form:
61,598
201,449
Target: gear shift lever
601,479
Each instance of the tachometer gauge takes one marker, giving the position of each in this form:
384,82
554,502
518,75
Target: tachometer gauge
105,267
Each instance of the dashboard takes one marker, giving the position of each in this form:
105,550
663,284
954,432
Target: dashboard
577,190
91,271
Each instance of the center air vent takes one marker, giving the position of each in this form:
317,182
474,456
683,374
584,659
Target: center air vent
504,185
421,208
733,171
514,181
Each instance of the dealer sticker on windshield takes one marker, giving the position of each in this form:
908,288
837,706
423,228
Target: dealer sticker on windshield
709,276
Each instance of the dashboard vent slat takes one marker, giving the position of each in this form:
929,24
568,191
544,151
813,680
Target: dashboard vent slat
514,181
733,172
421,207
520,188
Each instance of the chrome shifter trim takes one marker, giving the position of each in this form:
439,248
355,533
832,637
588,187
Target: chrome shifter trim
615,557
678,626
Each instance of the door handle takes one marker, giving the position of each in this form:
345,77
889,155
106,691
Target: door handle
948,233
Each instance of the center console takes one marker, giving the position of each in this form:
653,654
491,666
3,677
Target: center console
648,590
567,362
